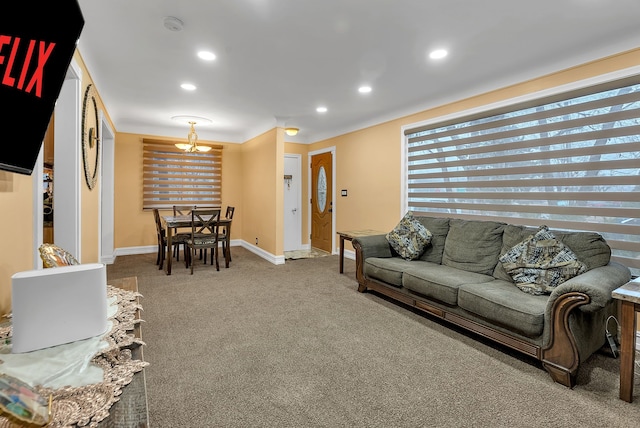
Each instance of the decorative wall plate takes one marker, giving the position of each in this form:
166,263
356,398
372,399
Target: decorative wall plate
90,137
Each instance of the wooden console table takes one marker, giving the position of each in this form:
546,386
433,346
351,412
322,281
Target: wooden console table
131,410
349,235
629,295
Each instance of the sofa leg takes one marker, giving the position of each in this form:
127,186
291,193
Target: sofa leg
561,374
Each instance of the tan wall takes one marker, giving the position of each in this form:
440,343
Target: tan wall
16,191
368,161
89,199
134,227
16,229
90,227
260,168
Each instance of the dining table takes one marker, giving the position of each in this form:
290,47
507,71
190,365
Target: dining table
172,222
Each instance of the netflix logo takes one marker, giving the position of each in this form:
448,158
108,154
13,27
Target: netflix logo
22,63
36,54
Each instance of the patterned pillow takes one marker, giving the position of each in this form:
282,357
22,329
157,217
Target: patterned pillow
541,262
409,238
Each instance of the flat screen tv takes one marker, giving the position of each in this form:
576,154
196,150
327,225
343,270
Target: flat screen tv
37,42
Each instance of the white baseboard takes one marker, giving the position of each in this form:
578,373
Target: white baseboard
130,251
108,260
348,254
276,260
638,341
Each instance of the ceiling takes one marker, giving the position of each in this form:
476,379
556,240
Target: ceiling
277,60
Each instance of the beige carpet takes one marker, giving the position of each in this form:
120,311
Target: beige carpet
295,345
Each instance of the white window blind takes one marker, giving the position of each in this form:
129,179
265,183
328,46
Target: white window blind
174,177
571,161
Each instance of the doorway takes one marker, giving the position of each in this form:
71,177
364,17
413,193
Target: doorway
322,215
292,202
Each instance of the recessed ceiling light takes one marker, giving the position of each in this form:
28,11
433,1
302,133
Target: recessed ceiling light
438,54
206,55
188,86
364,89
321,109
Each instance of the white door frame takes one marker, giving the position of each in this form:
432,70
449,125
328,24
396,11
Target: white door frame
66,174
331,149
67,180
106,220
298,175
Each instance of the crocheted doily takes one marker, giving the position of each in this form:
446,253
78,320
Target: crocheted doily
88,405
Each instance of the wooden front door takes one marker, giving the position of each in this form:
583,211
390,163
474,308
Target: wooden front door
321,201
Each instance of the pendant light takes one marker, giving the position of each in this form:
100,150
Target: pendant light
192,146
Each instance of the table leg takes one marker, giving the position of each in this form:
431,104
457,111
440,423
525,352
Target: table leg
227,250
169,250
341,254
627,350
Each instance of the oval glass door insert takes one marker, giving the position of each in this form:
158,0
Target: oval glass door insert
322,189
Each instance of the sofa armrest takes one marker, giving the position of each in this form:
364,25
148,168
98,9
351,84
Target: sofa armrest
570,339
372,246
597,283
365,247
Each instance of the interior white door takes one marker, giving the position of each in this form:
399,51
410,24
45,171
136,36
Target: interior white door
292,202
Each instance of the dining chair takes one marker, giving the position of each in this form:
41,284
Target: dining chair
222,236
176,239
225,230
204,235
181,210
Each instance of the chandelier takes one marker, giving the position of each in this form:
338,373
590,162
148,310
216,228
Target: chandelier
192,146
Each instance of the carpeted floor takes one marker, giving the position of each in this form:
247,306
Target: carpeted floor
295,345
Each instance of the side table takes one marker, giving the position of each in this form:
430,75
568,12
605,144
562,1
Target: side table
629,295
349,235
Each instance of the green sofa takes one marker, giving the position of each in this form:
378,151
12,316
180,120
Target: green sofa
458,278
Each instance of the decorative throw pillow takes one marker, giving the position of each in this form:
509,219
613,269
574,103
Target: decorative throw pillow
541,262
409,238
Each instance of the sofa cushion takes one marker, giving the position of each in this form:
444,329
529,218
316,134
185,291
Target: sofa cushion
501,303
473,246
439,282
409,238
541,262
386,269
439,227
589,247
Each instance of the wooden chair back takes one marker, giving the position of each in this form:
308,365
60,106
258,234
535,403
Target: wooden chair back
205,225
204,222
183,209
